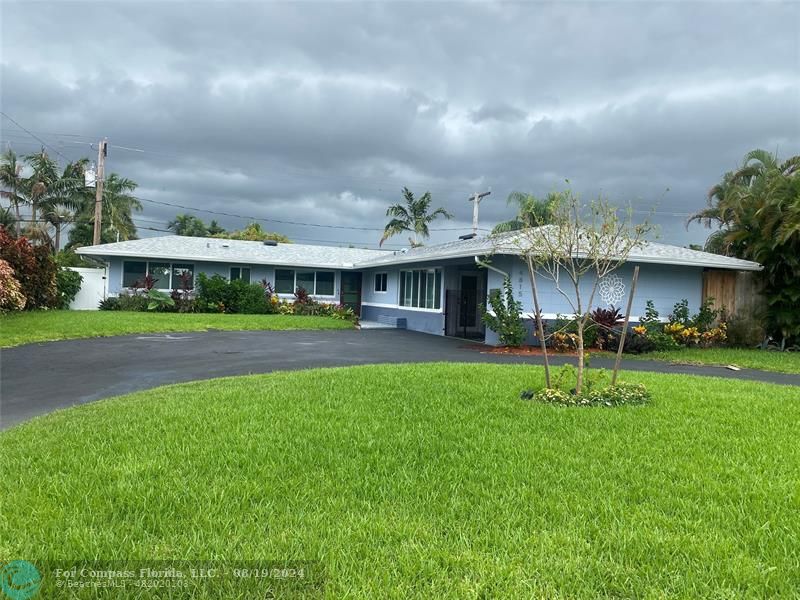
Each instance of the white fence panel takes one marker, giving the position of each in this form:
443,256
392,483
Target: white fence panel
94,288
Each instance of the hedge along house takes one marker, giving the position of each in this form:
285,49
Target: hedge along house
436,289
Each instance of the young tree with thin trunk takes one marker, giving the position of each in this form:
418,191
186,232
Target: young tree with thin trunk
581,245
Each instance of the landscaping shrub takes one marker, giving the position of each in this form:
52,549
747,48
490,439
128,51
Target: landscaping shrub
705,329
506,321
109,303
745,332
34,269
621,394
11,296
605,323
217,294
131,302
565,335
158,300
68,284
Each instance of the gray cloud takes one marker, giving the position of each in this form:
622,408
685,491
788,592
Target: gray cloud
321,112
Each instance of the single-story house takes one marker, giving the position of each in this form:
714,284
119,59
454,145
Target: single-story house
436,289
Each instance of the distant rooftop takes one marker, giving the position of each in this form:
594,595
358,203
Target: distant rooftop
303,255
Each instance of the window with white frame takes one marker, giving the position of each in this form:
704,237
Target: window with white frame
316,283
165,275
242,273
381,281
421,288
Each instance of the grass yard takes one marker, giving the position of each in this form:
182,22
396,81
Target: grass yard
782,362
424,481
42,326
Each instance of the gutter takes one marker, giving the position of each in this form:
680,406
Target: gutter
486,265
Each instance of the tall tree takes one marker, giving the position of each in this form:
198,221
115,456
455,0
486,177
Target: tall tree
414,216
188,225
14,183
531,211
253,233
215,228
119,204
756,209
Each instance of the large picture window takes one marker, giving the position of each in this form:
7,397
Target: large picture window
316,283
166,276
421,288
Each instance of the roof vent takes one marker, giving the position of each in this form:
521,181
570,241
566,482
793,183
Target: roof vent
467,236
270,243
226,245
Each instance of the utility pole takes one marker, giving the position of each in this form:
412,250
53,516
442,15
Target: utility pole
102,152
476,199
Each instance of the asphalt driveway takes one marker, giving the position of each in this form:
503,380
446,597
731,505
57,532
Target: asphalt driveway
38,378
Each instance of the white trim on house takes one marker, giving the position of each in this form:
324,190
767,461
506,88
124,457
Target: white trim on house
398,307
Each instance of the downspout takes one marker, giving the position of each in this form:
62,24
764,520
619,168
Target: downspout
486,265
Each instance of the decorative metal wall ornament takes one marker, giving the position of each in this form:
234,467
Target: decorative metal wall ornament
611,289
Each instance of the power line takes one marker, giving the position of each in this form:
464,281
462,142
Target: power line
282,222
33,135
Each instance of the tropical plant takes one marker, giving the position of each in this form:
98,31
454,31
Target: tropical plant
756,209
253,233
531,211
12,180
34,269
505,318
188,225
414,216
68,284
158,300
11,296
119,204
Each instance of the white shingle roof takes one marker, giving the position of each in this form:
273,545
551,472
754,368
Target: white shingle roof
177,247
234,251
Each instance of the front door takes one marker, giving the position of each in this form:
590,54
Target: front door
468,309
350,292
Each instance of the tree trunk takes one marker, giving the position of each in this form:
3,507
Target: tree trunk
19,217
539,325
58,238
579,382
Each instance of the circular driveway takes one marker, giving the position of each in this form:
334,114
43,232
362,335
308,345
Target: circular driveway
38,378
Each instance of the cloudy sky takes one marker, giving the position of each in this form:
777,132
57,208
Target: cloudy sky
320,113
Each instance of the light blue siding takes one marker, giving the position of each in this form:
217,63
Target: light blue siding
663,284
426,321
257,273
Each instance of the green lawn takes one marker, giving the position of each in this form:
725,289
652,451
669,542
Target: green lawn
424,481
782,362
42,326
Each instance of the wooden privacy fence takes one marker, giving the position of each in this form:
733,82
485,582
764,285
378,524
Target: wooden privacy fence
739,292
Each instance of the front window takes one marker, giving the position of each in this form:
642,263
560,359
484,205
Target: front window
305,280
160,272
183,275
316,283
381,281
133,273
421,288
242,273
284,281
324,283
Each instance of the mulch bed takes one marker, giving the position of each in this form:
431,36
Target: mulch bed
519,351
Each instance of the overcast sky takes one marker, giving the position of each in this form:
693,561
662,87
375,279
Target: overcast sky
322,112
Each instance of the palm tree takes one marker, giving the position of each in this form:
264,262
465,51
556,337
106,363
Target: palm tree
188,225
118,206
413,217
64,195
531,211
11,179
